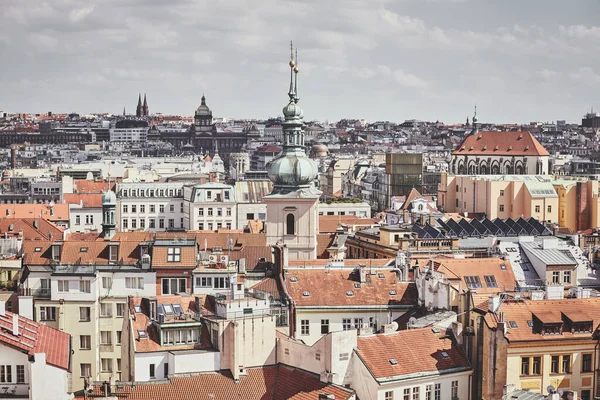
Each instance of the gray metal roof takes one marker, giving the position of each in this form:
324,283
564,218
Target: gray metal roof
549,256
523,395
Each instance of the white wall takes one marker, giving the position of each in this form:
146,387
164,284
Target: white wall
189,361
96,215
73,294
361,210
142,365
12,357
118,284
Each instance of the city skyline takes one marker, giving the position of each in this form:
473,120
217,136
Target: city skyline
375,60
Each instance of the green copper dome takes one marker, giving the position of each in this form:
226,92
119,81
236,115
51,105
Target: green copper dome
109,198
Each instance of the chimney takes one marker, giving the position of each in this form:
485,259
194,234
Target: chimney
493,303
15,321
363,273
508,389
2,308
405,216
432,220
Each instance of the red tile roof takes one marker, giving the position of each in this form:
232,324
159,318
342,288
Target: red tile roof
60,212
349,262
37,338
329,287
45,230
87,200
330,223
415,350
187,257
85,186
501,143
456,270
277,382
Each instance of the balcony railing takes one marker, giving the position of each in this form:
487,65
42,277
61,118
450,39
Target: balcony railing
177,318
35,292
14,390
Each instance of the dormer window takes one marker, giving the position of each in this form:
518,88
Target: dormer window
113,253
473,282
581,327
56,252
174,254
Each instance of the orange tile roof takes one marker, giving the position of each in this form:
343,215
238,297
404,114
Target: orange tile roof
87,200
324,240
85,186
349,262
416,351
501,143
37,338
187,257
329,287
45,230
60,212
253,256
547,311
456,270
277,382
267,285
330,223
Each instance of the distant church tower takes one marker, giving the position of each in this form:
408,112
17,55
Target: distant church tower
109,208
142,109
292,206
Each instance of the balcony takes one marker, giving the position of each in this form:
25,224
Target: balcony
189,316
36,292
106,348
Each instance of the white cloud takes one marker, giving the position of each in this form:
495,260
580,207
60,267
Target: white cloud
79,14
409,80
585,75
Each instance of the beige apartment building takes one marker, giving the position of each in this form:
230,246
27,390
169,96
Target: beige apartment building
572,204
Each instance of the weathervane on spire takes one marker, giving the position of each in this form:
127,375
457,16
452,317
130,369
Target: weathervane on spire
475,130
296,98
292,64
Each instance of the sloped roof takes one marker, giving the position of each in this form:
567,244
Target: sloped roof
494,143
87,200
330,288
45,230
59,212
330,223
457,269
37,338
415,351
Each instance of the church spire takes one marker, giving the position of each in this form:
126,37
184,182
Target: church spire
475,129
145,106
138,110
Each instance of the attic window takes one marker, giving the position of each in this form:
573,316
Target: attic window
445,355
392,292
393,361
143,334
38,249
513,324
293,279
473,282
357,285
349,293
490,281
435,330
138,309
381,276
530,323
503,267
306,294
83,250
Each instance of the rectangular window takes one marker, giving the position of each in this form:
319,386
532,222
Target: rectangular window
77,220
324,326
304,327
85,370
347,324
106,365
537,209
250,216
106,309
490,281
152,208
142,223
106,282
556,277
84,314
415,393
406,394
174,254
536,367
389,395
221,283
142,208
586,363
473,282
204,281
438,391
20,374
549,209
566,364
201,212
554,363
161,223
134,283
119,335
429,392
151,223
47,313
524,365
501,209
228,212
456,202
171,223
226,194
344,356
501,192
172,208
166,369
125,223
5,373
228,225
120,309
133,208
63,286
85,342
133,223
586,394
152,371
118,365
454,388
566,276
358,323
161,208
208,194
84,286
210,212
219,212
105,337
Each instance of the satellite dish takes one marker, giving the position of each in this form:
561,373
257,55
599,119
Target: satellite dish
412,321
550,389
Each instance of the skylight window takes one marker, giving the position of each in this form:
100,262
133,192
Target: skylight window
357,285
490,281
473,282
503,267
530,324
177,309
38,249
143,334
168,308
293,279
392,292
83,250
445,355
381,276
393,361
349,293
306,294
513,324
138,309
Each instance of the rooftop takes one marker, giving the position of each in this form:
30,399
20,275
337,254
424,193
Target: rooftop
492,143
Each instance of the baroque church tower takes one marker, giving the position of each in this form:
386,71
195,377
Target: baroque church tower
292,206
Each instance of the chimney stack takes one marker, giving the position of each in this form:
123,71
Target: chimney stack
15,322
2,308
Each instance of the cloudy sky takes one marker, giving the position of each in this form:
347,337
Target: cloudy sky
519,60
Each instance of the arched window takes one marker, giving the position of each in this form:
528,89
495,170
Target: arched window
290,224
